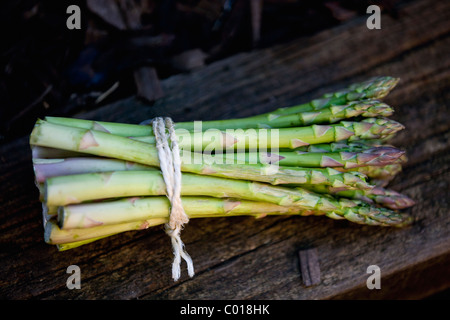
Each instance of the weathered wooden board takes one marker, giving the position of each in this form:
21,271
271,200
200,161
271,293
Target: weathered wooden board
247,258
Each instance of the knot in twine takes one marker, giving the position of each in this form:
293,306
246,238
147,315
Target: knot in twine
170,164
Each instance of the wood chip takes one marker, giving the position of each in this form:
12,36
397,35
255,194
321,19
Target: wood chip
309,267
148,85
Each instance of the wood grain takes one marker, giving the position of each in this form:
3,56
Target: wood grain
247,258
309,266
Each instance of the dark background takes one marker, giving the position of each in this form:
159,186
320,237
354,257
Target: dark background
47,69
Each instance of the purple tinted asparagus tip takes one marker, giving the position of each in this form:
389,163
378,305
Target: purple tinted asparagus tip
379,156
392,199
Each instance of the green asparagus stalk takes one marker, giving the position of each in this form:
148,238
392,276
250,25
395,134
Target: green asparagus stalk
54,235
375,88
79,188
329,114
377,195
61,191
48,168
293,137
76,244
376,156
145,208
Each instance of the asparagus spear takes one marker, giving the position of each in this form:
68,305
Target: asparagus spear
329,114
293,137
75,244
48,168
385,197
376,156
60,191
145,208
376,88
54,235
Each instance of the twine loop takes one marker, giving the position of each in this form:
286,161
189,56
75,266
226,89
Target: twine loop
170,164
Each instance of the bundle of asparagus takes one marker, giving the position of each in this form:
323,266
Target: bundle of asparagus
329,157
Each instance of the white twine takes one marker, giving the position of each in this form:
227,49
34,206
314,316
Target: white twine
170,163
